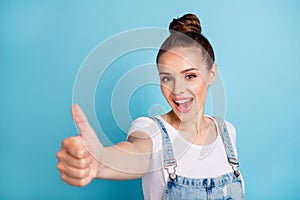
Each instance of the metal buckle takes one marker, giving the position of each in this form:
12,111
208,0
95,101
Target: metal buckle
236,170
171,169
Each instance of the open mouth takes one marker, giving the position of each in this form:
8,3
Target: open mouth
183,104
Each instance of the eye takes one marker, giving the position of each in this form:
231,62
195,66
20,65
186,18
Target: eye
190,76
166,79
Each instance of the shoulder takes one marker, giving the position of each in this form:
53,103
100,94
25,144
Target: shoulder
150,127
144,124
232,133
230,127
142,121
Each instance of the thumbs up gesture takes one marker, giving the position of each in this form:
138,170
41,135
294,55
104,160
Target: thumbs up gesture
76,165
124,160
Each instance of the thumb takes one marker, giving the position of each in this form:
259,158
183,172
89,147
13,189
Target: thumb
81,120
87,133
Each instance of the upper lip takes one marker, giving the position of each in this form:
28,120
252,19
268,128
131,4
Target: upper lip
181,99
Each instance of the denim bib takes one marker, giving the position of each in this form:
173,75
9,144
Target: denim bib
227,186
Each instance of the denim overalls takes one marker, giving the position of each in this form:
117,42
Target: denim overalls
227,186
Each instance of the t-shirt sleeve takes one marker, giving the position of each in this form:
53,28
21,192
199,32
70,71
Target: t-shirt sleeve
145,125
149,127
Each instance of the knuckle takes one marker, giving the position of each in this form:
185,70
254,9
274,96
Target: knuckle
80,183
63,177
83,173
65,142
68,141
59,166
59,155
83,182
80,153
82,164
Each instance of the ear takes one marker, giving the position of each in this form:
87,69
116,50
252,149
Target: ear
213,74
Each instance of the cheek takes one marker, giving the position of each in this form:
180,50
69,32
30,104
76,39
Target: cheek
200,90
165,90
166,93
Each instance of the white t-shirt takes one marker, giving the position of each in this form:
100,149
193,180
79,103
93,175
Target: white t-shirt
193,161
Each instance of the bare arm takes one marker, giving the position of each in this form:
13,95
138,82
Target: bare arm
125,160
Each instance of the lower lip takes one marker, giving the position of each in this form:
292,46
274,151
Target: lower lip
184,108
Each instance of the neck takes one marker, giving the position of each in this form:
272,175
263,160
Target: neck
198,130
194,125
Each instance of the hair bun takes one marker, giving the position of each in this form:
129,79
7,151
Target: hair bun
186,24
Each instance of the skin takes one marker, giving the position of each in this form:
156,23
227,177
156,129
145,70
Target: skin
183,74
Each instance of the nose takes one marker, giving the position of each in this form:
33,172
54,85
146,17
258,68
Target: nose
178,86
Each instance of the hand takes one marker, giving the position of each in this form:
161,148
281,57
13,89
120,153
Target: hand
76,165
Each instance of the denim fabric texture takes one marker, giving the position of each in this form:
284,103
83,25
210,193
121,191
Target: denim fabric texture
225,187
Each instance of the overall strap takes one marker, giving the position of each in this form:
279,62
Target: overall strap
232,159
169,162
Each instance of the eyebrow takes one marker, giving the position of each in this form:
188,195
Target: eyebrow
182,72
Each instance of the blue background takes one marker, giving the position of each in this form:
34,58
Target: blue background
43,43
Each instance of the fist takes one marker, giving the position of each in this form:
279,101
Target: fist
76,165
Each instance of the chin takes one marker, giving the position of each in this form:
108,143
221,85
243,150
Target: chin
191,115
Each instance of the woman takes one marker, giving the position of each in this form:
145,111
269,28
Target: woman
182,154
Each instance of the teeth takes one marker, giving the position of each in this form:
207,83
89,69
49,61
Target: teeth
183,101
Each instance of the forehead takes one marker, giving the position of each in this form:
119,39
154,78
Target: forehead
179,59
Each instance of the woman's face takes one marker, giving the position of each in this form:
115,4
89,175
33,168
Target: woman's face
184,81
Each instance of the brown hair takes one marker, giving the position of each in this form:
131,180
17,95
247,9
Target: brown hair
186,32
